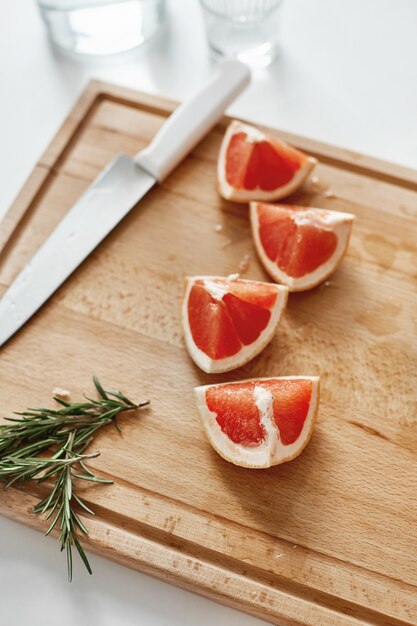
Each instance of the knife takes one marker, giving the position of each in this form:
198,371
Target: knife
116,190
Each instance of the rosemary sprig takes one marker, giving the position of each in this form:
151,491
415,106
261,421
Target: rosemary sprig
65,434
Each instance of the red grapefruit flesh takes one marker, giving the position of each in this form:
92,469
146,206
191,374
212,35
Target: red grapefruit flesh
227,321
261,422
255,166
299,246
236,413
291,401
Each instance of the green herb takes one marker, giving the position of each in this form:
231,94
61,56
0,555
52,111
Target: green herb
64,434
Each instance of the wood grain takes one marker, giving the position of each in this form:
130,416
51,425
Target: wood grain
328,539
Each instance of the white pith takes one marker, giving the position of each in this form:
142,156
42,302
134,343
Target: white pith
253,135
246,353
244,195
271,451
337,221
216,290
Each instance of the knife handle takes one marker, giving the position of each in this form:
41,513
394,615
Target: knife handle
193,120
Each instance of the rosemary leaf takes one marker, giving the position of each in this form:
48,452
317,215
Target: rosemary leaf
63,434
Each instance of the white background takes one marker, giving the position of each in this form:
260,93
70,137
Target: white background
347,75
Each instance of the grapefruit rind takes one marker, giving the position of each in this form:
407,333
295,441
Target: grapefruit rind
272,451
339,222
228,192
248,352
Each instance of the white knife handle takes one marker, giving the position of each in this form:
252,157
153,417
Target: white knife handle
193,120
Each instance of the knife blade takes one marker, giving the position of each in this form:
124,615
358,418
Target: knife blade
117,189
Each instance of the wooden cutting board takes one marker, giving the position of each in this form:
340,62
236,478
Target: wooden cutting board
328,539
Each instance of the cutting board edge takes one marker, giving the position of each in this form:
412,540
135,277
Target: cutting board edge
97,91
335,155
168,563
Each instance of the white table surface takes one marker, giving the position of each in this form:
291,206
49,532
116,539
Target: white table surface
347,75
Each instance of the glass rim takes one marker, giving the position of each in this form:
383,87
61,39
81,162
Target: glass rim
206,5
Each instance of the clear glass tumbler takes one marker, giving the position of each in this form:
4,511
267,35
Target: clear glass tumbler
101,27
247,30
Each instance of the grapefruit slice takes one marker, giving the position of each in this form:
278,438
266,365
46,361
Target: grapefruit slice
228,321
261,422
256,166
299,246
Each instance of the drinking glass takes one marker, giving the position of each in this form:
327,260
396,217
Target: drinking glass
247,30
101,27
